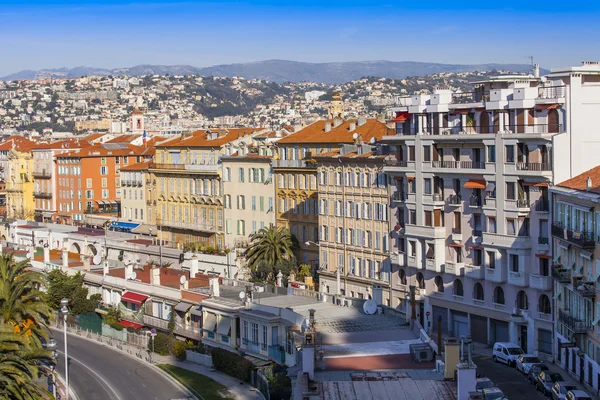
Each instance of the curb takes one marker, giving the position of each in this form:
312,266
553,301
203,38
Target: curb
72,393
174,381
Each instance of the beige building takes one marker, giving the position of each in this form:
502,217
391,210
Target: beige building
353,223
248,196
135,183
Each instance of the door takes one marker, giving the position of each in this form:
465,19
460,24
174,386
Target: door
460,325
581,369
274,336
421,314
524,338
484,122
499,331
479,329
553,126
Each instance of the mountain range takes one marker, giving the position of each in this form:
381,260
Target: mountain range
281,70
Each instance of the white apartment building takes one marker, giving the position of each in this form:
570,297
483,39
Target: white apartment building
472,172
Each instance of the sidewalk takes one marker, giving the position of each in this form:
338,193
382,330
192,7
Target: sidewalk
485,351
241,390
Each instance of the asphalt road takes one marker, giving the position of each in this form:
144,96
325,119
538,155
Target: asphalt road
513,383
97,372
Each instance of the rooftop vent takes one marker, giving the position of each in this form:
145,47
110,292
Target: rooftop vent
588,184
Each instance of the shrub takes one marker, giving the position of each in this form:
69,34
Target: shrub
163,344
231,364
280,386
179,349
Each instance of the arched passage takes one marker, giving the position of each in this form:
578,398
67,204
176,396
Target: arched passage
75,248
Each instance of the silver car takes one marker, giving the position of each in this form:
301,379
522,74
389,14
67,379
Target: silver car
525,361
560,389
484,383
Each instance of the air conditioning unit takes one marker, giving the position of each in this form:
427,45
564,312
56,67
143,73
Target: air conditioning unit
421,352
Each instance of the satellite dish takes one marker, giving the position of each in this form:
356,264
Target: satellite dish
370,307
355,136
242,295
182,279
97,259
133,276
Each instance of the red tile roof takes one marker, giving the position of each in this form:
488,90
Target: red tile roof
123,139
201,138
315,133
579,182
141,166
100,150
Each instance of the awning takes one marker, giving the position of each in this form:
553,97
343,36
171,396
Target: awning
430,252
564,244
224,326
536,184
541,107
476,247
197,311
456,245
410,178
209,322
401,117
112,202
130,324
543,256
475,184
134,298
183,306
490,187
463,111
101,202
123,225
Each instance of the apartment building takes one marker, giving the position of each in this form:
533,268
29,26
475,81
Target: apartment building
89,181
189,188
19,181
6,146
136,205
353,222
248,196
471,174
576,270
295,167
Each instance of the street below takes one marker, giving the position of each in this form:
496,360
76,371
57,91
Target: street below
514,384
97,372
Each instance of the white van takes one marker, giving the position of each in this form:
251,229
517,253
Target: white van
506,353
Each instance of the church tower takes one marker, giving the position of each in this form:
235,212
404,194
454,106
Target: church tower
336,108
137,121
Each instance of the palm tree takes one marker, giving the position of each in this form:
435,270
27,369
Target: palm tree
271,245
22,303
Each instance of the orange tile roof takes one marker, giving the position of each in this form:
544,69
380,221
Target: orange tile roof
20,143
315,133
63,144
136,111
123,139
141,166
579,182
93,136
200,138
100,150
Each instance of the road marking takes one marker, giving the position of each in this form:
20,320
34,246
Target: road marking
95,373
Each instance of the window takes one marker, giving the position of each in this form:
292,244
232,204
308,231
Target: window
105,193
439,284
544,305
478,291
428,218
104,182
510,153
412,186
427,153
492,225
522,302
261,203
427,185
491,259
103,170
227,177
241,202
103,160
412,248
88,183
241,174
510,191
412,217
253,203
510,227
411,153
264,337
491,153
125,159
514,262
457,288
241,227
477,257
89,194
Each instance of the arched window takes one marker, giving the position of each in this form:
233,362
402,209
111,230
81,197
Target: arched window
439,284
522,303
458,288
544,305
478,291
402,277
420,281
498,295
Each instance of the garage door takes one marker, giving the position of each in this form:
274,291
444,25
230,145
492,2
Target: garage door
499,331
460,324
545,341
440,312
479,329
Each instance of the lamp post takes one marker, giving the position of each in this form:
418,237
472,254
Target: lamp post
65,311
51,345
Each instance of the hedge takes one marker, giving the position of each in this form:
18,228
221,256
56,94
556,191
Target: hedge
231,364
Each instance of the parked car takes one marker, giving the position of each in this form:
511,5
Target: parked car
493,394
525,361
560,389
484,383
577,395
506,353
547,379
534,371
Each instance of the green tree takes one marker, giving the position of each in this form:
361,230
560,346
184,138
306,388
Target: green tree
171,324
271,245
61,285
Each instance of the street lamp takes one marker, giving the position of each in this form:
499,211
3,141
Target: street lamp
64,309
51,345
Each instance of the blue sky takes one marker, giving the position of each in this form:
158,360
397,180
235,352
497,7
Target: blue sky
114,33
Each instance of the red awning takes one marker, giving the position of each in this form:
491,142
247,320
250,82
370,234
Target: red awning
130,324
463,111
475,184
410,178
543,256
134,298
401,116
476,247
456,245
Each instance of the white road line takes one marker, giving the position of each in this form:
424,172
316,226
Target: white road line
96,374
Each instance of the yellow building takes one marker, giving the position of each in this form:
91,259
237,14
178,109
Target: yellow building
20,201
296,186
186,180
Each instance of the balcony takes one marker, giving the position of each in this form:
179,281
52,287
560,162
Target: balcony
213,168
197,226
518,205
42,195
540,282
571,323
489,202
496,275
538,129
470,97
398,197
535,167
456,235
437,197
582,239
428,232
420,294
587,289
277,354
506,241
395,163
518,278
561,275
411,261
290,164
475,202
108,210
474,271
251,347
188,331
472,165
445,164
454,200
541,206
42,174
156,322
543,242
456,269
551,92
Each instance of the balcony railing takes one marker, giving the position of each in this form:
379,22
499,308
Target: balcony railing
551,92
252,347
193,226
445,164
477,232
112,210
475,202
42,174
573,324
543,240
395,163
470,97
527,166
456,231
535,128
561,275
581,239
541,205
186,167
585,289
398,196
454,200
290,164
437,197
277,353
42,195
472,165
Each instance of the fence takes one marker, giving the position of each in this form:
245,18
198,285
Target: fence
260,382
198,358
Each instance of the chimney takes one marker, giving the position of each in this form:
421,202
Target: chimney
327,126
536,70
588,184
362,121
214,286
65,258
128,271
155,276
105,268
194,266
378,294
352,126
381,118
337,121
